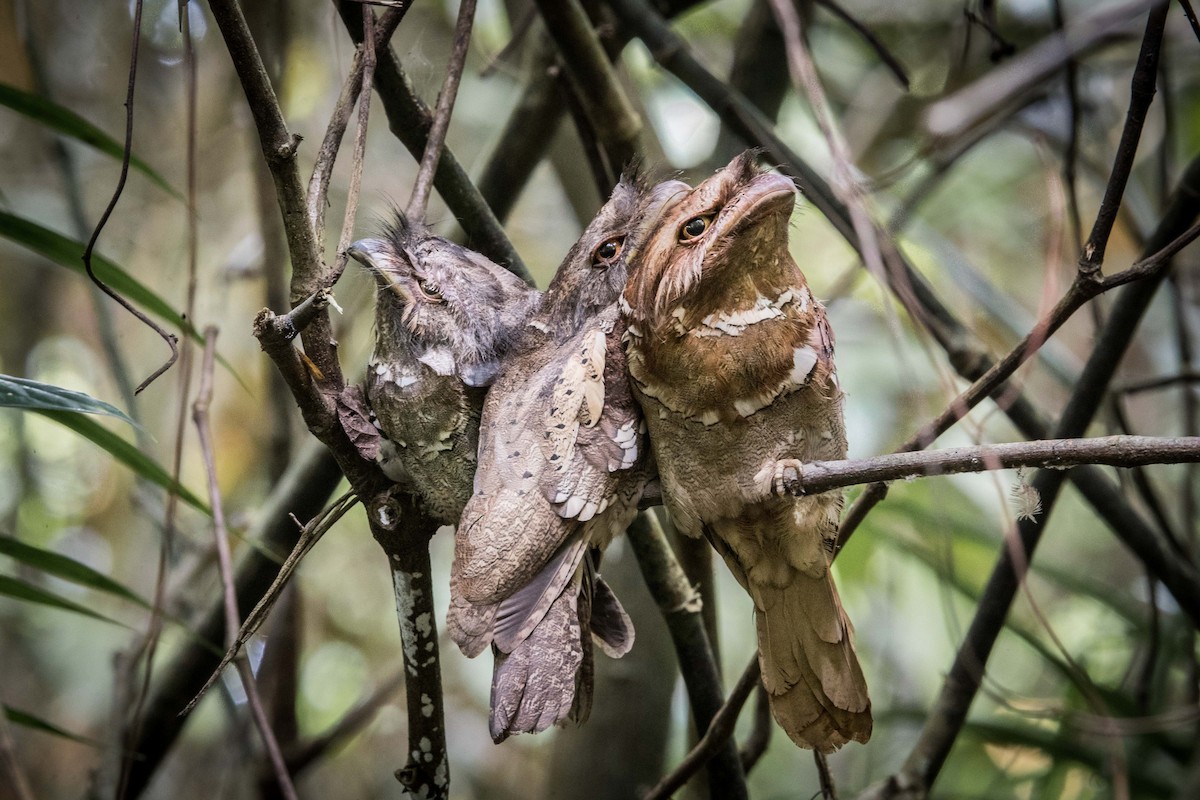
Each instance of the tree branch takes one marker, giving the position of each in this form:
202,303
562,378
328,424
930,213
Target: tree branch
409,119
315,379
303,490
946,719
680,607
278,145
966,354
815,477
441,118
612,116
303,753
717,736
403,531
225,561
318,184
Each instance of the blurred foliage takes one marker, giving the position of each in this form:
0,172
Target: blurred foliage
1090,638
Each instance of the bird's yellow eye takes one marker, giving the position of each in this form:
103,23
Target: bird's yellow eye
607,252
431,290
694,228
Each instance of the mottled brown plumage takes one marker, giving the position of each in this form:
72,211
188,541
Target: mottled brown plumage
444,317
732,361
562,464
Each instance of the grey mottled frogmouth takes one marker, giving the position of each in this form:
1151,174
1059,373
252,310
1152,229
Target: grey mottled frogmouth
731,359
562,464
444,317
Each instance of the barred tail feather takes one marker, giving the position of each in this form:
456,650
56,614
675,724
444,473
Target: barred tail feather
809,666
534,686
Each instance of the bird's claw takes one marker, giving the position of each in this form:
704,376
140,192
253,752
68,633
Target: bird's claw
780,478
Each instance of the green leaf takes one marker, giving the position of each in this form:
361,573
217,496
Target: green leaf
27,592
27,720
68,253
68,123
66,568
35,395
124,452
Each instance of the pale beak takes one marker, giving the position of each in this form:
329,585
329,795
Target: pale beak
376,255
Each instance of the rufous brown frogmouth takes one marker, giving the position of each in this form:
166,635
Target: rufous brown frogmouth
731,359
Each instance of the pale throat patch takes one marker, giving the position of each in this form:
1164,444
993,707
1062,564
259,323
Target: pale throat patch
804,362
734,323
403,378
439,359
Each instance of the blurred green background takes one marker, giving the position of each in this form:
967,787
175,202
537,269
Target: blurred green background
988,228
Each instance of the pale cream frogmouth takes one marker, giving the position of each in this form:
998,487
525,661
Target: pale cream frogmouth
731,358
562,465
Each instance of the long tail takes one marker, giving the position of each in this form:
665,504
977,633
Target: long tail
805,641
806,649
546,677
534,685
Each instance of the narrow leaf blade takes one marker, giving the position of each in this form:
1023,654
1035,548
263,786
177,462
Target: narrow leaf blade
68,123
34,395
124,452
26,720
28,593
66,568
67,252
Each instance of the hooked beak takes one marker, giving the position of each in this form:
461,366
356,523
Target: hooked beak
375,255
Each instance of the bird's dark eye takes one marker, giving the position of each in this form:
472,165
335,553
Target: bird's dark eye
430,289
607,252
693,228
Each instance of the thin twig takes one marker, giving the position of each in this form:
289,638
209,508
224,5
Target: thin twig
962,682
341,257
815,477
310,534
409,119
965,352
263,723
719,732
756,743
605,173
1186,376
828,789
170,338
890,61
845,185
200,414
419,202
145,651
1001,88
318,184
69,169
1086,287
303,490
539,108
1071,146
304,753
1190,13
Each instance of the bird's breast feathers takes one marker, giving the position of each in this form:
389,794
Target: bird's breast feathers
728,364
